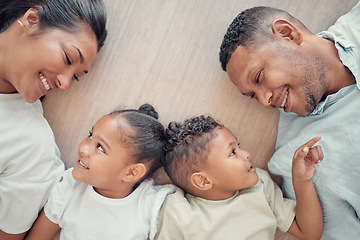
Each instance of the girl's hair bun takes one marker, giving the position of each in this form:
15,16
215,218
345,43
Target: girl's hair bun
148,110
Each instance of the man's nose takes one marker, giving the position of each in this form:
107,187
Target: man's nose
264,97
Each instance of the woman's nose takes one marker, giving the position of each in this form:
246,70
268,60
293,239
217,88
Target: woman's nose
63,81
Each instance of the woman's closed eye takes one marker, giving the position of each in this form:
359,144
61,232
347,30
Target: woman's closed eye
68,61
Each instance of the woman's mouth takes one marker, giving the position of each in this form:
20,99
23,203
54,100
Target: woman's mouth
44,81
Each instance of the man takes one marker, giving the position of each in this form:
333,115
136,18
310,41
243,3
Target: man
272,57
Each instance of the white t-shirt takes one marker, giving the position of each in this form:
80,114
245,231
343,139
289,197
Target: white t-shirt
29,162
83,214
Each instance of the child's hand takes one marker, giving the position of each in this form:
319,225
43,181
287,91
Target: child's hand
305,160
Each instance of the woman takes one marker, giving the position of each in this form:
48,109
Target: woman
44,46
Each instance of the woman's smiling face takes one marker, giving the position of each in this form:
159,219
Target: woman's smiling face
49,60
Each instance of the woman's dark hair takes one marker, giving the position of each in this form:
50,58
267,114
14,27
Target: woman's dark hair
251,26
64,14
187,148
145,138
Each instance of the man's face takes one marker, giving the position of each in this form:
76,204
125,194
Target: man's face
279,76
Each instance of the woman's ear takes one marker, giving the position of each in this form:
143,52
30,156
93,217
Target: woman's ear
201,181
134,172
31,17
286,30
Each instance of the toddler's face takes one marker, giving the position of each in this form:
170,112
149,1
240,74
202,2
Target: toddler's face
229,166
102,156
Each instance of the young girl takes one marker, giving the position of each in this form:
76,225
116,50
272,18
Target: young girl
224,196
107,194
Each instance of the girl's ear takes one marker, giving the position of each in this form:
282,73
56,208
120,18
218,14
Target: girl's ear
134,172
31,18
286,30
201,181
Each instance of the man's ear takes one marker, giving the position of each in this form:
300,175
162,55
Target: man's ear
286,30
201,181
31,17
134,172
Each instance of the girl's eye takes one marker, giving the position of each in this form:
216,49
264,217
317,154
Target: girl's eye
90,135
232,153
100,147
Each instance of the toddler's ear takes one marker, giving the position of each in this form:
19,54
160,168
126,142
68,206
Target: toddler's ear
201,181
135,172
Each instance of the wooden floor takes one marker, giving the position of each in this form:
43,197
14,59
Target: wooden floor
165,52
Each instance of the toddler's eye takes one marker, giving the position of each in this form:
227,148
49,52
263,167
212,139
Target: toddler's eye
100,147
90,135
232,153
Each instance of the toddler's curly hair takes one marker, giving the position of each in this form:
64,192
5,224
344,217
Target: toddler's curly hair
187,148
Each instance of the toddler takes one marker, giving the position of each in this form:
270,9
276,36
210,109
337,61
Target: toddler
108,195
222,195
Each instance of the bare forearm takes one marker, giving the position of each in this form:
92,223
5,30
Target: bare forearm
43,229
6,236
309,216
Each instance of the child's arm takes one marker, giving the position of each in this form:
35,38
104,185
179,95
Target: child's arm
308,223
43,229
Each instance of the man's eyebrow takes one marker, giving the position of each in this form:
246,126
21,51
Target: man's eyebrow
247,82
248,76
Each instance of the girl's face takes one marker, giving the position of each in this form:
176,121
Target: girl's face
103,158
49,59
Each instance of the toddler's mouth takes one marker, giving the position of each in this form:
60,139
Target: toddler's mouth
251,168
